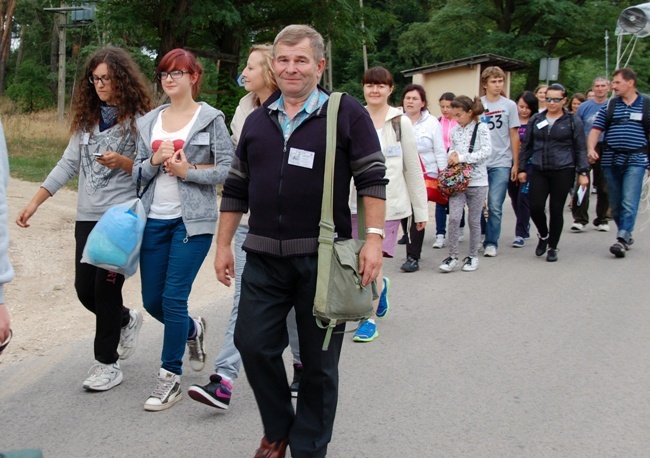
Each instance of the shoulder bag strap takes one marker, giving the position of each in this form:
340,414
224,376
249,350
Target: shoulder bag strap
326,224
473,140
327,220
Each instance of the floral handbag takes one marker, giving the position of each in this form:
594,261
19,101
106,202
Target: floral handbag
455,178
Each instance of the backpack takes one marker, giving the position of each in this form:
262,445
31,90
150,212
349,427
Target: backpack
397,127
611,106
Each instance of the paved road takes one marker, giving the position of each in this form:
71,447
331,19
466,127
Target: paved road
522,358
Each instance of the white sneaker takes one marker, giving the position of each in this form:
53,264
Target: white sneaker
470,264
440,241
129,335
167,393
461,237
195,346
103,377
603,227
448,264
490,251
577,227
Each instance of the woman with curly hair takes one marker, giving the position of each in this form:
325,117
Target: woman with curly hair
112,93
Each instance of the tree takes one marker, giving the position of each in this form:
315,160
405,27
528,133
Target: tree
570,29
7,10
30,90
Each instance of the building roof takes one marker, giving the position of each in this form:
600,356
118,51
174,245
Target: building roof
485,60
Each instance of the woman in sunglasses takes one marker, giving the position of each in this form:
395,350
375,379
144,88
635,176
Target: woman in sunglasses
555,144
183,152
107,101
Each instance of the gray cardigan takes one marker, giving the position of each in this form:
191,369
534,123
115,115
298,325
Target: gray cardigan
198,190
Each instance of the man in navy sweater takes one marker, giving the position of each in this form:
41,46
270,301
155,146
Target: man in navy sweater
278,175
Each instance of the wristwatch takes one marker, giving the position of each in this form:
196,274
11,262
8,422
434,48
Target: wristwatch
584,174
376,230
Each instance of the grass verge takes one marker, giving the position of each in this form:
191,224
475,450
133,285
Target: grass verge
35,143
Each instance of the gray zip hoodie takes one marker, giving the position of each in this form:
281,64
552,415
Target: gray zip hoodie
100,188
207,143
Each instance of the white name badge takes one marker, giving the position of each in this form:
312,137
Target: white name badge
636,116
202,138
542,124
393,151
301,158
85,138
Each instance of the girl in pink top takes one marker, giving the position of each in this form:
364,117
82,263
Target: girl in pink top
447,122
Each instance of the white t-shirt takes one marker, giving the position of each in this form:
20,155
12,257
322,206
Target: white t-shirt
500,117
166,202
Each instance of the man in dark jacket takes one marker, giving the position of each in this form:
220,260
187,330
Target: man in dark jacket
278,174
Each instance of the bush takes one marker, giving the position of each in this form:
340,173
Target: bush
30,90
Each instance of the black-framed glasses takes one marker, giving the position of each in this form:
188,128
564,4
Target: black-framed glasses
554,99
96,79
175,74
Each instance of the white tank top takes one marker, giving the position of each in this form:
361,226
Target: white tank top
166,202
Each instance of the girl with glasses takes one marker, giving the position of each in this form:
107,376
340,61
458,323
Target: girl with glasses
110,97
183,152
556,148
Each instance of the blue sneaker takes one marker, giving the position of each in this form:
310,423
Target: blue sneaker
382,308
367,332
518,242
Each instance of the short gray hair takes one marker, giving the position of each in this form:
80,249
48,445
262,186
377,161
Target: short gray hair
600,78
293,34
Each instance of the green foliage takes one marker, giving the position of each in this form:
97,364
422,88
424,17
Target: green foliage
32,158
219,90
30,90
399,34
570,29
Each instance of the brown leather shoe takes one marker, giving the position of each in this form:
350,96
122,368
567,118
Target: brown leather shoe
268,449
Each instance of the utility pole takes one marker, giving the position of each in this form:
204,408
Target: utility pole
60,99
606,54
329,79
61,21
363,31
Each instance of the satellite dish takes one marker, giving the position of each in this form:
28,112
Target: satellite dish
634,20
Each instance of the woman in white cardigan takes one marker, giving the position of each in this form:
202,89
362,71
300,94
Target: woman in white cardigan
406,194
433,156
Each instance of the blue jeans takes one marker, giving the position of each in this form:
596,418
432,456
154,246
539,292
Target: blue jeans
624,185
169,262
498,178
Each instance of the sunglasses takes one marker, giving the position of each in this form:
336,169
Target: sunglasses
554,99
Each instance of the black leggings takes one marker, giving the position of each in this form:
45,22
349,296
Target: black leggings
556,184
100,291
